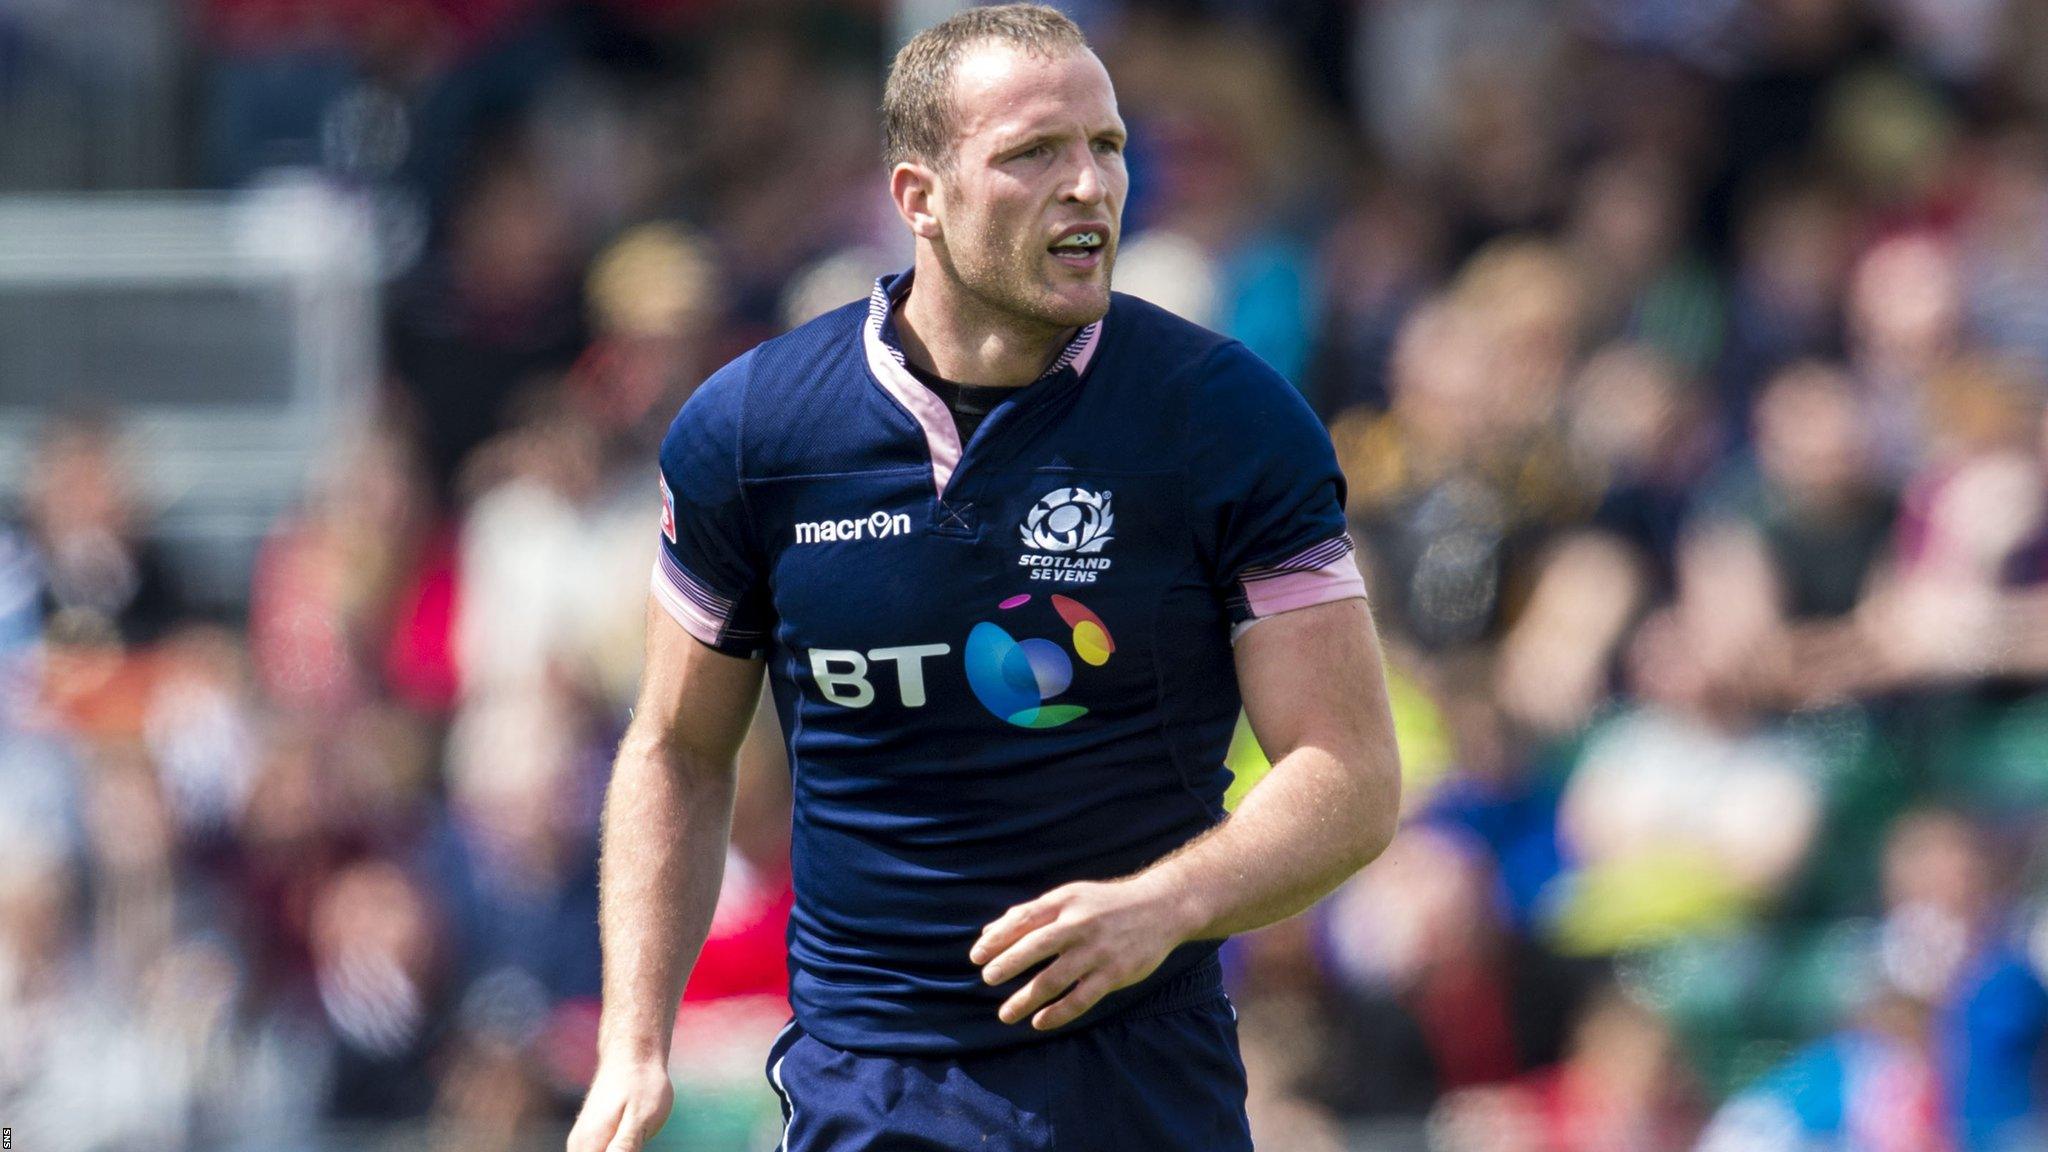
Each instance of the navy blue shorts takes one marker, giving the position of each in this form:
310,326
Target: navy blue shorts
1163,1082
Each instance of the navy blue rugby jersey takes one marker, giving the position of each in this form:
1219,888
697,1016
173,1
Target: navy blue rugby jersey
1000,666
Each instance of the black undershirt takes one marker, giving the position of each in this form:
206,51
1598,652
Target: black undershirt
969,403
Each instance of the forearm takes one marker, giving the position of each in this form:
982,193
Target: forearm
667,822
1316,694
1312,822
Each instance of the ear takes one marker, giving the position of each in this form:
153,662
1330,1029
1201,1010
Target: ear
915,189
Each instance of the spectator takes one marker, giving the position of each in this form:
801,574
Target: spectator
1870,1086
1785,301
1451,489
1622,1087
514,866
1947,939
1688,809
1814,502
1627,232
493,310
380,972
351,596
100,577
1433,991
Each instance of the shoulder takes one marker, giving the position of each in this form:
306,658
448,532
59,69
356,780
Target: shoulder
714,410
1232,389
1208,364
821,352
805,370
1206,383
1143,339
1238,402
818,354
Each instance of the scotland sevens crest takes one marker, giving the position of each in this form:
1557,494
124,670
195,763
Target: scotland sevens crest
1069,520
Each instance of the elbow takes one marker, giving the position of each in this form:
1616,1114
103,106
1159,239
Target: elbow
1375,833
644,748
1381,833
659,751
1379,810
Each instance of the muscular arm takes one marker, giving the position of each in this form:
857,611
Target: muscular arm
1317,700
1316,696
667,816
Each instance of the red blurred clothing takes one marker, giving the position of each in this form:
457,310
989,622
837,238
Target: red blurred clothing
326,617
1464,1014
299,626
1573,1110
419,654
747,952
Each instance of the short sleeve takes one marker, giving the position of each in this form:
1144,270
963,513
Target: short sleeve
710,572
1268,498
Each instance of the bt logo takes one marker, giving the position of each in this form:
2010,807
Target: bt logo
842,674
1013,679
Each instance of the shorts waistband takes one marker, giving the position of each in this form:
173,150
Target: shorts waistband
1198,985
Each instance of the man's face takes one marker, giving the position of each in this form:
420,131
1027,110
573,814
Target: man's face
1030,206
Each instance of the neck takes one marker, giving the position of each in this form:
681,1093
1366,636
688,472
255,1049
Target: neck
948,332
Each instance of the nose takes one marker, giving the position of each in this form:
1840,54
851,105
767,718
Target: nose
1087,185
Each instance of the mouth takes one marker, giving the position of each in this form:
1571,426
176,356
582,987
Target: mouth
1080,246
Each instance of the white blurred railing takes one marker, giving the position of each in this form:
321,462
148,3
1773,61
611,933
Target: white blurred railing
235,335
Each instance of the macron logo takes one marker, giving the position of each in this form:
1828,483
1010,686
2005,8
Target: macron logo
873,526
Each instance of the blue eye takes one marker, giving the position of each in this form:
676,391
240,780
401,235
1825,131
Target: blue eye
1109,147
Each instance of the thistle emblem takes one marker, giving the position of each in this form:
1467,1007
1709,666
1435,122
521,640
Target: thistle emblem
1069,520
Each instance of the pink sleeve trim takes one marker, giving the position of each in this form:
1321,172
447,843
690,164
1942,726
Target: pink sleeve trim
1319,574
675,596
1287,591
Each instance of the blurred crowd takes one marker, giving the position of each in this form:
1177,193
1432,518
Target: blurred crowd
1688,361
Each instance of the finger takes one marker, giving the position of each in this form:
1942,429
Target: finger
1020,957
1043,989
1070,1007
1004,930
629,1137
592,1134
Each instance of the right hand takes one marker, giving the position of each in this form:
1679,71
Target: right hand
625,1108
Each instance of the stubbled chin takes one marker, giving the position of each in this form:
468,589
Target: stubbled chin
1078,304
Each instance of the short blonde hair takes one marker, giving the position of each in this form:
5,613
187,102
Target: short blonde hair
917,101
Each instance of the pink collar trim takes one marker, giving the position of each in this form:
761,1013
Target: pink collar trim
885,361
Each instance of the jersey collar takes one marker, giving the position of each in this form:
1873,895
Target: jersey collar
885,361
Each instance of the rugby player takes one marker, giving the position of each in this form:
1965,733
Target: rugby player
1012,550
